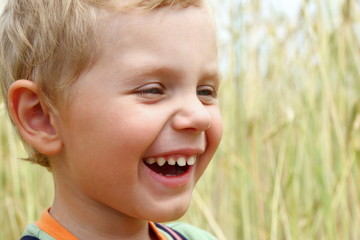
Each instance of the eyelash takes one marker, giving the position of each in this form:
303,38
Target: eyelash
151,90
207,92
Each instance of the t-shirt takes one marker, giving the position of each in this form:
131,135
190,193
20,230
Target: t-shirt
47,228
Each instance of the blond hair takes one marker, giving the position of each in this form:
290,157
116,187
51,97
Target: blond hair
50,42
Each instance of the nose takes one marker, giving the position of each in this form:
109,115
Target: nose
191,114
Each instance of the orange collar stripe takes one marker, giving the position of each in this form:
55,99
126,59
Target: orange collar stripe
157,232
49,225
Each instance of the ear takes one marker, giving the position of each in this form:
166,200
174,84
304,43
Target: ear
35,122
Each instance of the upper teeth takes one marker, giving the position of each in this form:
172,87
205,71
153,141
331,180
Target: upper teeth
181,161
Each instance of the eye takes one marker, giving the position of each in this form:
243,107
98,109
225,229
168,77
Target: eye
207,94
151,91
206,91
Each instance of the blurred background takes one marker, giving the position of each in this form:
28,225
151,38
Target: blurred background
289,163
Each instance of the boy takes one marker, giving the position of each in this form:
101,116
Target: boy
118,100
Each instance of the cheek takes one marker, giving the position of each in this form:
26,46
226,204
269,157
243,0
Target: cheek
215,131
213,137
114,138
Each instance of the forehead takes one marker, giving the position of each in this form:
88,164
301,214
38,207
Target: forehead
149,37
183,22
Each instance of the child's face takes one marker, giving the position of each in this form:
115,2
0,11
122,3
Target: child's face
150,95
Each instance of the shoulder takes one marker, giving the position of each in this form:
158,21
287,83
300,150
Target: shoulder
33,231
190,232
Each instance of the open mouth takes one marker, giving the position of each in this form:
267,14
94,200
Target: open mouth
170,166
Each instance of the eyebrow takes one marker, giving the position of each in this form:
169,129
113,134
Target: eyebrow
213,74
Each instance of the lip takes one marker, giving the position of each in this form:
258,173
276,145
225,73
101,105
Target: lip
173,181
170,181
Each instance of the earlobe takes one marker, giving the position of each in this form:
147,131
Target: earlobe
32,118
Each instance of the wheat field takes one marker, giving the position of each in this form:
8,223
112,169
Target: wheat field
288,166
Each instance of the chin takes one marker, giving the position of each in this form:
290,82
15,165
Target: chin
169,213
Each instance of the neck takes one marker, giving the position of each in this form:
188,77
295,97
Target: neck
87,219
